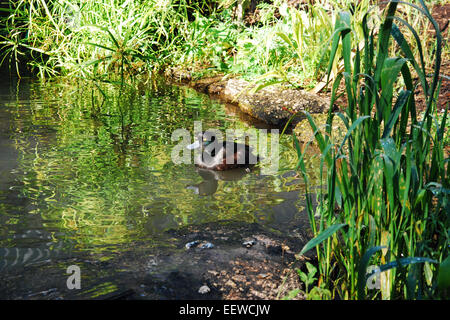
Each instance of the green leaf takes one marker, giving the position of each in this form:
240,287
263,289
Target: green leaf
390,157
428,273
334,45
100,46
444,274
383,40
321,141
400,39
402,99
292,294
391,69
352,127
362,277
318,293
312,270
404,262
287,40
321,237
112,38
303,277
419,197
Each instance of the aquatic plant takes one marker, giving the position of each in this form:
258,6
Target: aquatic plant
387,183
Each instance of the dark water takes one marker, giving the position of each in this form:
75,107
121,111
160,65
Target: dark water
86,179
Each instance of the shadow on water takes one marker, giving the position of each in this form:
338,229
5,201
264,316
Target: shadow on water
212,178
86,179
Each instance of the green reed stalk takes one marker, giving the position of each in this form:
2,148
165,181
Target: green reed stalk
387,195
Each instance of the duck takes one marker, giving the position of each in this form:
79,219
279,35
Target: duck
213,155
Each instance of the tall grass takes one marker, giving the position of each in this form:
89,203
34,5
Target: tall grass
96,37
110,38
300,38
387,184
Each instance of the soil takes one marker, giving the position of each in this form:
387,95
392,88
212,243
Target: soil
237,261
441,13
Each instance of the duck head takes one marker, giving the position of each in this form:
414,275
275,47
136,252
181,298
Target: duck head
204,139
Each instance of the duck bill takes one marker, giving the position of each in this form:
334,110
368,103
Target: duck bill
195,145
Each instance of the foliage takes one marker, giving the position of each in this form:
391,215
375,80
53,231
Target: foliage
108,40
96,37
388,181
309,278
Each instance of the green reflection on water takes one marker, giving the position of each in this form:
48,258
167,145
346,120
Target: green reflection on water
94,163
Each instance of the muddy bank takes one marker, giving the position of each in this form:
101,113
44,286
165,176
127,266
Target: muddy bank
241,261
273,105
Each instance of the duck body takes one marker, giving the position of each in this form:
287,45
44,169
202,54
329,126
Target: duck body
221,156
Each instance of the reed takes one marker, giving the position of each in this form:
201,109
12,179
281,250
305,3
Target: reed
387,183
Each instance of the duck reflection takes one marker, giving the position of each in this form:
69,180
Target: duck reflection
211,179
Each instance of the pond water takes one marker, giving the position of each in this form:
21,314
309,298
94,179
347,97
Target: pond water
86,176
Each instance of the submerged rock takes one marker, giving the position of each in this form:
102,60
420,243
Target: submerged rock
204,289
206,245
249,243
199,244
192,244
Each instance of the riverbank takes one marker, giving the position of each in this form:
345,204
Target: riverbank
274,105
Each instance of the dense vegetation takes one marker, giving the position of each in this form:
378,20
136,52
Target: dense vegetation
275,42
386,186
387,182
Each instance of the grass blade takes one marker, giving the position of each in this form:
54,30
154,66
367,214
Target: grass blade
321,237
